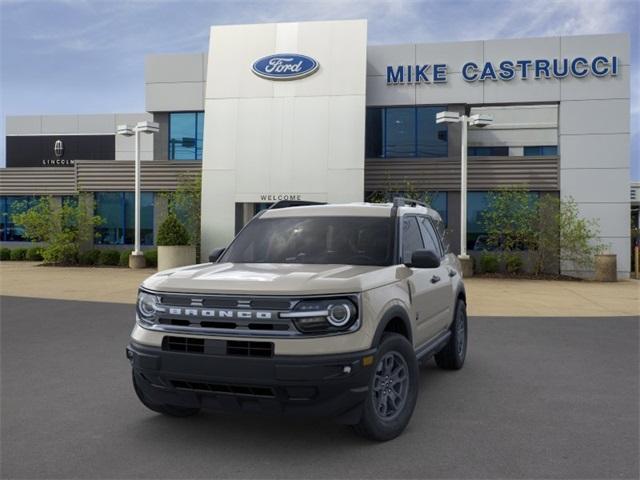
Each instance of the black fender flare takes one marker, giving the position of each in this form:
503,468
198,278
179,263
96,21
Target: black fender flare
396,311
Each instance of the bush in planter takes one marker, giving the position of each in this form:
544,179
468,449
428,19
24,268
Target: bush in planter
109,257
151,258
489,262
513,263
5,254
18,254
124,258
90,257
172,232
34,254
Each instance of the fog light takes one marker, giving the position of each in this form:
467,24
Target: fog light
368,360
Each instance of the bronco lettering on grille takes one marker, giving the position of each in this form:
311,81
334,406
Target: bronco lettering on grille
216,313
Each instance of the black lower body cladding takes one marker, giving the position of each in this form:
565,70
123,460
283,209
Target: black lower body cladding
319,385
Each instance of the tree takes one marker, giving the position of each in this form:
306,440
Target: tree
62,227
509,219
172,233
185,204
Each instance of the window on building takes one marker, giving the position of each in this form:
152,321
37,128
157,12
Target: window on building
117,212
438,201
488,151
541,151
405,132
185,135
9,206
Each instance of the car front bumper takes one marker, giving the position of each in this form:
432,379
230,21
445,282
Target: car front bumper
314,385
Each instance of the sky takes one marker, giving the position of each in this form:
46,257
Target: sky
87,56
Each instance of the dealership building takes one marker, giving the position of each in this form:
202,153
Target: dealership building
309,111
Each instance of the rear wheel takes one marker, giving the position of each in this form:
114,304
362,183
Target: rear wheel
393,390
452,356
171,410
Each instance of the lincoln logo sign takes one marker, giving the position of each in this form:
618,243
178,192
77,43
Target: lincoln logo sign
58,148
285,66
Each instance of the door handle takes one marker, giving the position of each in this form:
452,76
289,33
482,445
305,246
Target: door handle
435,279
452,272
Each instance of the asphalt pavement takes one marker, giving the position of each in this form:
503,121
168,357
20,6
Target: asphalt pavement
538,398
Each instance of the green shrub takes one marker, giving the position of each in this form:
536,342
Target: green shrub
513,263
109,257
151,257
172,232
34,254
5,254
18,253
90,257
124,258
489,262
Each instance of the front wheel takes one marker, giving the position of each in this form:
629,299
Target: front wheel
170,410
452,356
393,390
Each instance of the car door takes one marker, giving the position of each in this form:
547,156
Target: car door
442,298
423,283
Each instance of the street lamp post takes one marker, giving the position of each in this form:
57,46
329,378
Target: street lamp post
136,259
478,120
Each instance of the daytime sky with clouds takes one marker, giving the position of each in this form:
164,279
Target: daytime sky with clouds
83,56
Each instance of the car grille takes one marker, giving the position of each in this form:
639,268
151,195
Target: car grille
218,347
229,389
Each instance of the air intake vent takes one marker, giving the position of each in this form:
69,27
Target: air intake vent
246,390
183,344
250,349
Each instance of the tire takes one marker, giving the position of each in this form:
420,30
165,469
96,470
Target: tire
170,410
385,416
452,356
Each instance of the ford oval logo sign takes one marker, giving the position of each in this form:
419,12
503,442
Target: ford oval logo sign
285,66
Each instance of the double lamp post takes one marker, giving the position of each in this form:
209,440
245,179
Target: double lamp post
136,259
478,120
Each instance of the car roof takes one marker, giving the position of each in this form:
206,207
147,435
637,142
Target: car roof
360,209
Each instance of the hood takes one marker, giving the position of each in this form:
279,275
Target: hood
271,279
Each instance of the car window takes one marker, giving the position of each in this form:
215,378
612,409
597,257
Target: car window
411,238
314,240
430,237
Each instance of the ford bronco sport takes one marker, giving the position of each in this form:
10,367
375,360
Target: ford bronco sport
313,309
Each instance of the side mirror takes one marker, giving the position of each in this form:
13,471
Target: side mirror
424,259
216,254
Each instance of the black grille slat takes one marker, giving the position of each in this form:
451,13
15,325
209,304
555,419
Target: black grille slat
249,349
183,344
229,389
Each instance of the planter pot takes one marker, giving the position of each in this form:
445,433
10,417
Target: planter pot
176,256
606,269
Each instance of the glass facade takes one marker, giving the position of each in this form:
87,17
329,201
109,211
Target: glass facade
488,151
438,201
477,203
541,151
185,135
117,212
10,205
405,132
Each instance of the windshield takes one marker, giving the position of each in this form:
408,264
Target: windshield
319,240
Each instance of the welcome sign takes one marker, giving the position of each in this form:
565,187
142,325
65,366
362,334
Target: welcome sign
506,70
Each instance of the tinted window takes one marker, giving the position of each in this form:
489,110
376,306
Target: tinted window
117,212
432,137
185,135
411,238
541,150
9,206
488,151
429,235
314,240
374,132
400,129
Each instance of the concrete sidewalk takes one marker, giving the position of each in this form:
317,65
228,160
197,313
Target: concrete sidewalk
486,297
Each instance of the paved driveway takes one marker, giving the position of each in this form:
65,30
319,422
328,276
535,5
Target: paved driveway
539,397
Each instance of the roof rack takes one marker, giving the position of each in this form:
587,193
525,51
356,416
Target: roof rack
294,203
402,201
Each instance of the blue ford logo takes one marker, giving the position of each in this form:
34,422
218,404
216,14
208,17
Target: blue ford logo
284,66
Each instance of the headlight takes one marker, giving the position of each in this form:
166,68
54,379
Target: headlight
146,307
324,316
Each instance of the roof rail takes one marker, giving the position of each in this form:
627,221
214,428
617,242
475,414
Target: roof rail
402,201
294,203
